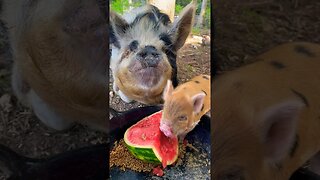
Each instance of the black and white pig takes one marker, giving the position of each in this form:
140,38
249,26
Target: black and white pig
144,49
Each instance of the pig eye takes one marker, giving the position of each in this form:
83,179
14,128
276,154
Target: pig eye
182,118
133,45
166,39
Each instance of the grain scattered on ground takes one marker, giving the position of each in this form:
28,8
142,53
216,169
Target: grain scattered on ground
122,158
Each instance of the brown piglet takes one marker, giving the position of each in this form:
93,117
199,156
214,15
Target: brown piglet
266,118
184,106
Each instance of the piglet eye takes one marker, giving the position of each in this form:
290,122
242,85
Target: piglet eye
182,118
133,45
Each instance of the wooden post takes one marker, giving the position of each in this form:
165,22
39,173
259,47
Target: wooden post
165,6
203,10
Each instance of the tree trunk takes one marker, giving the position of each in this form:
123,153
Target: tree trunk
130,4
202,11
167,6
142,2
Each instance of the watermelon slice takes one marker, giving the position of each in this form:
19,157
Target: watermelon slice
146,142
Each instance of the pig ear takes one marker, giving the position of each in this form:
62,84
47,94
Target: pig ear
197,101
182,26
167,90
118,24
279,124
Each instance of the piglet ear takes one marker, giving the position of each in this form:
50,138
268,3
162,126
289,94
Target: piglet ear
197,101
182,26
118,24
279,124
167,90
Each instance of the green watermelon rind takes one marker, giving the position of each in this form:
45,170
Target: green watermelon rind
147,153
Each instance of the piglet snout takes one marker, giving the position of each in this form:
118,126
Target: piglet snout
166,129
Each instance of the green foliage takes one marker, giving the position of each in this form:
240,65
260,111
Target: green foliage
207,16
178,9
180,4
196,31
121,6
183,3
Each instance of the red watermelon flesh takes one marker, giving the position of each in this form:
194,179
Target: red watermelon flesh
145,137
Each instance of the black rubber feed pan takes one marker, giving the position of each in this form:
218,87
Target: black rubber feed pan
194,166
304,174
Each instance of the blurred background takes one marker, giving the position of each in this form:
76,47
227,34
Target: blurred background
202,19
244,30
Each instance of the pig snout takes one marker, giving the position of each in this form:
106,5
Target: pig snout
166,129
149,57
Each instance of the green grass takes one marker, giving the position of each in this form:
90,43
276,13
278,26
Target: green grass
190,68
178,9
199,31
196,31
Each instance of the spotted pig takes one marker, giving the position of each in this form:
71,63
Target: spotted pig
266,117
184,106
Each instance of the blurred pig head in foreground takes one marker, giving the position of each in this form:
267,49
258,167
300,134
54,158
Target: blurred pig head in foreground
59,49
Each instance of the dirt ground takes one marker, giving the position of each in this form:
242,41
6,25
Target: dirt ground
251,27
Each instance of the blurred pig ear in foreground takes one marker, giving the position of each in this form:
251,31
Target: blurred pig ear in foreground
279,126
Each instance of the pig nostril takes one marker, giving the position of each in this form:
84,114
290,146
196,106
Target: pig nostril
143,54
149,51
156,55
